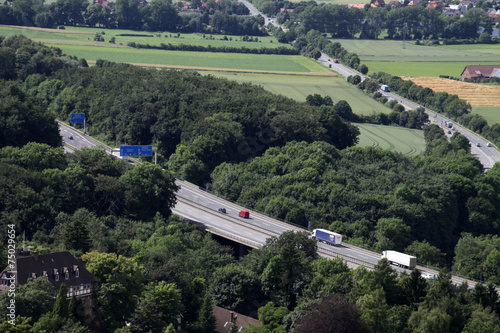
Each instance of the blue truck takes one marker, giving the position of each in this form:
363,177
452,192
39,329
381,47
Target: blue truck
326,236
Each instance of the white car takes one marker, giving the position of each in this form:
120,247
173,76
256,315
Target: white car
428,276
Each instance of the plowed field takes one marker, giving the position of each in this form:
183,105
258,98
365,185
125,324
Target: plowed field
475,94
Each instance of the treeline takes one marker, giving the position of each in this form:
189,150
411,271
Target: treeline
196,121
334,50
447,104
398,116
228,17
374,198
21,57
410,22
151,267
224,49
87,179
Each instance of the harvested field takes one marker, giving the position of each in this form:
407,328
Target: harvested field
475,94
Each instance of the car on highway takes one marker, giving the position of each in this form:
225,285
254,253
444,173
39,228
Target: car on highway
489,144
245,214
222,210
478,144
428,276
70,137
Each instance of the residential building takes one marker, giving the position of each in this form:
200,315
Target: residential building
224,318
56,267
479,71
434,4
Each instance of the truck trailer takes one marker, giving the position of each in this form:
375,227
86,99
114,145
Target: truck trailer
384,87
400,259
326,236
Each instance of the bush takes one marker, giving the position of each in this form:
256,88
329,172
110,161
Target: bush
398,107
363,69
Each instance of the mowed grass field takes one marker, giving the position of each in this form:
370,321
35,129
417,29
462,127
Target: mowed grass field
490,113
403,140
435,69
85,36
205,60
392,50
299,87
417,60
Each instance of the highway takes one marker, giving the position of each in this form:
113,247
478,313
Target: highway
488,156
201,207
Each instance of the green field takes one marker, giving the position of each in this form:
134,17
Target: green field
392,50
298,87
399,139
85,36
421,68
417,60
490,113
242,61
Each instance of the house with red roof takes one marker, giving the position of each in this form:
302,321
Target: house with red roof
434,4
480,71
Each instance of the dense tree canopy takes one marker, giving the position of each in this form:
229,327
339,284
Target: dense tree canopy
171,109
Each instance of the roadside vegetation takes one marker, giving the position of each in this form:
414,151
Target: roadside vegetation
293,159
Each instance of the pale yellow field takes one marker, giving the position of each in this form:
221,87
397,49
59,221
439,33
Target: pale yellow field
474,94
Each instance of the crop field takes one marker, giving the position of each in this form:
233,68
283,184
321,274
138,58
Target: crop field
475,94
298,87
204,60
85,36
421,68
490,113
403,140
392,50
418,60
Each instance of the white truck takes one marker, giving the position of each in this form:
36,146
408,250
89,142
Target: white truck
326,236
400,259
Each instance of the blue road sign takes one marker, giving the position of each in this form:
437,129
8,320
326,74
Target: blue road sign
136,150
78,118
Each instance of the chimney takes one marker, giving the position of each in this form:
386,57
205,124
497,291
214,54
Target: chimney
35,254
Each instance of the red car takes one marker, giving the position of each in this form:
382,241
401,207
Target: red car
245,214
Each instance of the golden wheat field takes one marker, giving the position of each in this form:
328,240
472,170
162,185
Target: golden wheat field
475,94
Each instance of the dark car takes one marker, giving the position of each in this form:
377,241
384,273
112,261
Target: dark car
70,137
222,210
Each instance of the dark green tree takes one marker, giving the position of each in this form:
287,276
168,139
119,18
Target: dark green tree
61,306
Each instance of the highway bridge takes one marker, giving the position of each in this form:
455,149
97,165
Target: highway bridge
202,208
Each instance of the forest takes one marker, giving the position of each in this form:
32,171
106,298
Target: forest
291,160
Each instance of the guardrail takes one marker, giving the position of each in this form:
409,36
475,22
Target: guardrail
347,258
229,218
255,244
